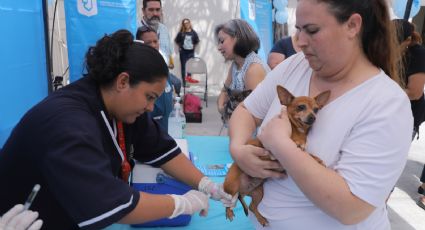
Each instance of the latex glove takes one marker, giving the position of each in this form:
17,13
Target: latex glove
232,202
189,203
213,190
18,219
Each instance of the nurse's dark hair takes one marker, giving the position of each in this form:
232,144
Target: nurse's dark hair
246,38
117,53
378,36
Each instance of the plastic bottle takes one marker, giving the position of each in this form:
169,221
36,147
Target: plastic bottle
177,121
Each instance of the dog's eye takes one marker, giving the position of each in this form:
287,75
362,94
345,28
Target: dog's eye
301,107
315,110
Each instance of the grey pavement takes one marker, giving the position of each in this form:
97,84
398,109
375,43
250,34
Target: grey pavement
403,212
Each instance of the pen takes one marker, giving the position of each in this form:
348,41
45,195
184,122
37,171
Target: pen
31,197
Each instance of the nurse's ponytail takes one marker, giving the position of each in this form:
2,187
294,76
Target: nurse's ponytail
117,53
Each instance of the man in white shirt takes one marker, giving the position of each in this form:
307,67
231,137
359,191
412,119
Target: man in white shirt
152,11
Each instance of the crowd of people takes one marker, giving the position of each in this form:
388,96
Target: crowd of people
81,142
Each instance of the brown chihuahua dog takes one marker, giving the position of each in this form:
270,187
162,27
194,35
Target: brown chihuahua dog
302,114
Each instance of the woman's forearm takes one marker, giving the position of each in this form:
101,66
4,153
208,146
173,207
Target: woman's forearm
221,100
190,175
323,186
241,126
150,207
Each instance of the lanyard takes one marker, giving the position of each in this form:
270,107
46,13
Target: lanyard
125,166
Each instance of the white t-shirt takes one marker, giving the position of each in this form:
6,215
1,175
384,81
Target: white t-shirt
364,135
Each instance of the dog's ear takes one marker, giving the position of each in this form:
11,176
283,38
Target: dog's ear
322,98
285,97
246,93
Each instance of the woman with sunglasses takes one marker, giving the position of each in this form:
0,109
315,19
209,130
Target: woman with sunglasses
79,142
186,39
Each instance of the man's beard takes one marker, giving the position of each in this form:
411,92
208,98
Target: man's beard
154,22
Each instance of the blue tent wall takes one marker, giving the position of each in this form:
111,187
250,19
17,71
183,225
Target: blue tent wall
258,13
23,73
87,22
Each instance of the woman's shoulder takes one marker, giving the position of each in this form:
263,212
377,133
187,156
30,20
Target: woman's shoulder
417,51
384,88
253,59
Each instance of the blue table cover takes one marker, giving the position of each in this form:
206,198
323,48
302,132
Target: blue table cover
208,150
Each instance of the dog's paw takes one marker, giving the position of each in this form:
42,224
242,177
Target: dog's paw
263,221
229,214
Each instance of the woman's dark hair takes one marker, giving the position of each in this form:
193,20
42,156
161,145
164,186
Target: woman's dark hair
378,37
246,38
117,53
406,29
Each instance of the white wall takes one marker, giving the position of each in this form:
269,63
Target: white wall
60,50
204,15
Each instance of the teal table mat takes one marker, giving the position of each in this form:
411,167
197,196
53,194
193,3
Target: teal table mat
207,151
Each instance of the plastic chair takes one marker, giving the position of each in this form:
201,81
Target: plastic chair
196,65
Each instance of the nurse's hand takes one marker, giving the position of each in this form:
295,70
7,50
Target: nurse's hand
19,219
190,203
214,190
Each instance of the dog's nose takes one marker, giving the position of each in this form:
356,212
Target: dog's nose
310,120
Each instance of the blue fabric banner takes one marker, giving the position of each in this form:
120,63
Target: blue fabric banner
88,20
258,13
22,61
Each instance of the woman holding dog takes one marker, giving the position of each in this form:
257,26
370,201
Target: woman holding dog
362,133
239,43
79,142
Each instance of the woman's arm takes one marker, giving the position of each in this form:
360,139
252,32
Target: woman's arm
415,86
274,59
242,125
254,75
179,39
181,168
223,97
195,38
150,207
323,186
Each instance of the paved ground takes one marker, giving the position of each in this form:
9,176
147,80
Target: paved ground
404,213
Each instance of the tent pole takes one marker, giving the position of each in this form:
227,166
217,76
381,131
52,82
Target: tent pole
47,48
408,9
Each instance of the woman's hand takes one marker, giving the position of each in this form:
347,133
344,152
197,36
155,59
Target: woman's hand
276,132
248,159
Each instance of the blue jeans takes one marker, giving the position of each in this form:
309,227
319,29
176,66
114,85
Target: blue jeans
184,56
175,82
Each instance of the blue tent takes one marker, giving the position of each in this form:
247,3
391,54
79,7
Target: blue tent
23,62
